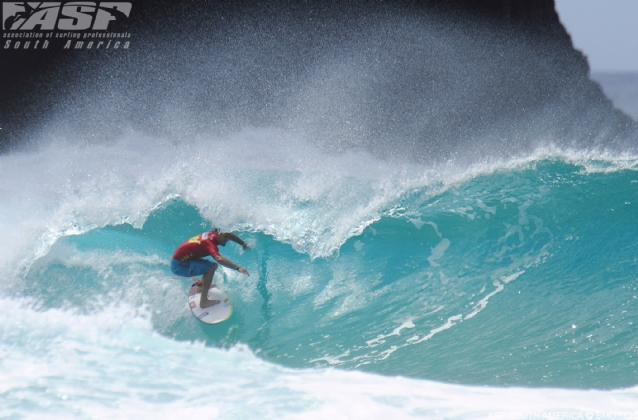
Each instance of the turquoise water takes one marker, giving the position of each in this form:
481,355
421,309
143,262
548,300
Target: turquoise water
531,273
520,273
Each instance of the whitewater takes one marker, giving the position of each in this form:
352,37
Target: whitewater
505,288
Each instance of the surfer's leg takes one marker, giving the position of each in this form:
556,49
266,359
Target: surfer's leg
197,267
208,280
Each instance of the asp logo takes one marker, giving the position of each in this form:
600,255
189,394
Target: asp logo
67,16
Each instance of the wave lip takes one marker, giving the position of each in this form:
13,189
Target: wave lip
281,185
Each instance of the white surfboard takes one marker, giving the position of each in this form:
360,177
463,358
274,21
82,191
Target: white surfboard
214,314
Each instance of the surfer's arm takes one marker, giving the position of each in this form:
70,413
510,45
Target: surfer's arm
228,263
237,240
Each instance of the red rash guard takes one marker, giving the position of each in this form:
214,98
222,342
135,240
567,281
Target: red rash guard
198,247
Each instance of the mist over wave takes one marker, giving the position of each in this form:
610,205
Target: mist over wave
411,85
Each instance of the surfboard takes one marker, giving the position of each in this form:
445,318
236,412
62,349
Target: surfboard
213,314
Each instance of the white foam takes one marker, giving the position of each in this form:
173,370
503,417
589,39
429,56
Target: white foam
380,339
258,179
499,286
110,364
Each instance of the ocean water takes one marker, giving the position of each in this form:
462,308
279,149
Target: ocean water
500,288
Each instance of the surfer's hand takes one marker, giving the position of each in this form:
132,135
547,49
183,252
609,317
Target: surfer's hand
243,271
245,247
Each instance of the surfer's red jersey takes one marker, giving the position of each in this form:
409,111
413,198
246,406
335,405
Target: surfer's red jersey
198,247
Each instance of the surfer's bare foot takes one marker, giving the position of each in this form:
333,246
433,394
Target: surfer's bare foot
209,303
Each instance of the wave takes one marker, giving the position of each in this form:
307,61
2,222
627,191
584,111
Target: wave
408,216
492,276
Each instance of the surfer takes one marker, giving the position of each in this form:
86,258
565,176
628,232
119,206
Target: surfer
188,259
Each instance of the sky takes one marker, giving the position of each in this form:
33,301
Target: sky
605,30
